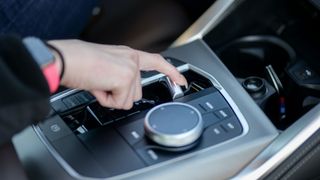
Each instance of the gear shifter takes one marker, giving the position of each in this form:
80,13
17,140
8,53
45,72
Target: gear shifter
175,90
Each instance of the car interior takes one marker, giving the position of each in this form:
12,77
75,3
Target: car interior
250,111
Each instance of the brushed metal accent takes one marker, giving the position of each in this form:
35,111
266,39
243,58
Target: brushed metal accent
285,144
218,10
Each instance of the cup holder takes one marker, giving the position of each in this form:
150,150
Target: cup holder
260,63
249,55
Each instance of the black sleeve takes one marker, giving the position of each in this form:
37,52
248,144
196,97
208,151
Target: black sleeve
24,92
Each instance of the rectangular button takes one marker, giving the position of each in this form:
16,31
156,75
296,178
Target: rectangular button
59,106
209,119
223,113
77,99
70,102
209,105
206,106
132,132
232,126
217,131
151,156
84,97
54,128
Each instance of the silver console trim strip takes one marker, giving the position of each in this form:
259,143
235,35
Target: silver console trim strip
63,94
218,10
146,81
285,144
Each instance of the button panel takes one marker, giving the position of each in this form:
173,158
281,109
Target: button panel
219,124
72,101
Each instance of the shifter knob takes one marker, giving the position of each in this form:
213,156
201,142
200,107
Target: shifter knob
173,124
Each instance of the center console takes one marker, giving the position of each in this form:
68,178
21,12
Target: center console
168,123
170,133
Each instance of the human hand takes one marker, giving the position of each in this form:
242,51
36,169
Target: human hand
110,73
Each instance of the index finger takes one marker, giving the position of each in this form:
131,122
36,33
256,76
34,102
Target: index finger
150,62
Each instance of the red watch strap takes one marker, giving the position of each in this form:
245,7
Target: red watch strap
53,78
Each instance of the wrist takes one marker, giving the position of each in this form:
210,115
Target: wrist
45,59
60,60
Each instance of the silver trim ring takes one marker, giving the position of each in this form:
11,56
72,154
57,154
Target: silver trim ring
174,140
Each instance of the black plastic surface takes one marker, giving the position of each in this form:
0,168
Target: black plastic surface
111,151
78,157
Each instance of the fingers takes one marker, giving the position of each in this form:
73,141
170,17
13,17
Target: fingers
122,98
115,100
138,87
156,62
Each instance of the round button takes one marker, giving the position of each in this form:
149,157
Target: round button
255,86
173,124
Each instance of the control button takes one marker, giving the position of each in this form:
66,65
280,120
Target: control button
305,73
135,135
209,119
173,124
77,99
231,125
59,106
223,113
71,102
132,132
152,154
87,96
206,106
213,135
217,130
54,128
209,105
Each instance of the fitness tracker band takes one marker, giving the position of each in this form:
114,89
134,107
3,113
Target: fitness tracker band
45,59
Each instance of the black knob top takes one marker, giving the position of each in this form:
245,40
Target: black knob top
173,124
